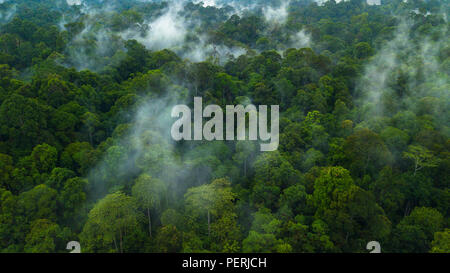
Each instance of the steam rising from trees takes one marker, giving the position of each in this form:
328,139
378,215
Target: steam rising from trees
410,59
364,125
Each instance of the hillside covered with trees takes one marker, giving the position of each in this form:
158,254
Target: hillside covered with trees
86,90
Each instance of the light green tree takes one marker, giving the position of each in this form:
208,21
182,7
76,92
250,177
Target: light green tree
441,242
421,156
109,222
43,237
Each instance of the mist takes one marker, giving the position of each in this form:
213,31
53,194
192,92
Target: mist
411,58
277,15
145,145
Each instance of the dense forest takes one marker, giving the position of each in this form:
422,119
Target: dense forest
86,90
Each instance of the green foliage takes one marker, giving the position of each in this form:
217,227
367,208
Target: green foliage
421,157
110,223
85,150
149,193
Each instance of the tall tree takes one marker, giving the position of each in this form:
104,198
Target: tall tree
150,193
